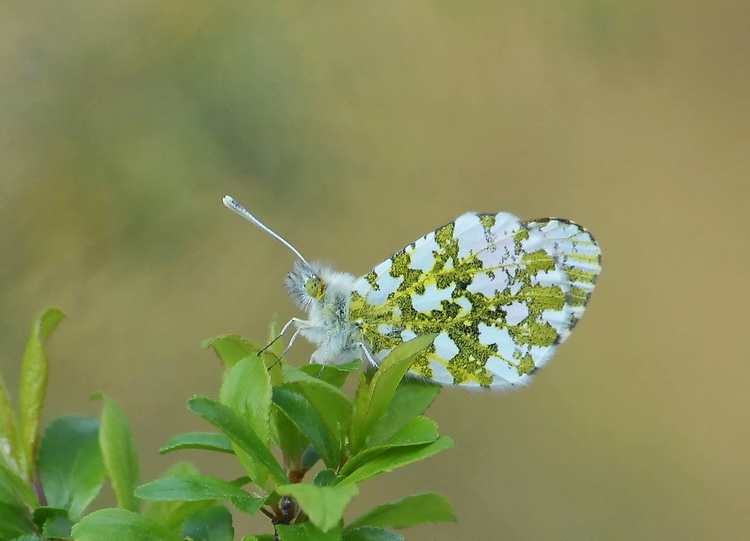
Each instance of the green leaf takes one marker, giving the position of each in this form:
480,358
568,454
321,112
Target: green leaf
28,538
307,532
325,478
370,533
193,488
335,374
419,431
413,396
119,452
333,406
10,451
246,390
395,458
292,374
410,511
172,513
289,439
228,422
373,400
15,492
208,441
13,521
122,525
263,537
58,526
33,387
304,416
323,505
310,457
211,524
232,348
53,521
43,513
70,463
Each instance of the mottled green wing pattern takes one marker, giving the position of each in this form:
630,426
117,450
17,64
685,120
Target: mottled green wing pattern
580,257
501,294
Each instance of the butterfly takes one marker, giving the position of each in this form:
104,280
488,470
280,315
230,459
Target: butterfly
499,293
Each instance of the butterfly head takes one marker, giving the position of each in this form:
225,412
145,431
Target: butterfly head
305,283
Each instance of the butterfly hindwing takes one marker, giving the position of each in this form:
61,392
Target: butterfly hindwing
500,293
579,256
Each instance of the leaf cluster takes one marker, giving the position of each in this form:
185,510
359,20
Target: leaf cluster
303,447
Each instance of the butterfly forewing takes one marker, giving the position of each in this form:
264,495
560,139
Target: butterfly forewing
500,293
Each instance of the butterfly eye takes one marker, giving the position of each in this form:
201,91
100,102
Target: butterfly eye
314,287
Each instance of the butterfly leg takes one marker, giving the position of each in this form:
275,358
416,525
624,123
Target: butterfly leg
294,320
288,347
368,355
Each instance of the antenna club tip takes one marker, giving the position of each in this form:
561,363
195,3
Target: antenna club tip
229,201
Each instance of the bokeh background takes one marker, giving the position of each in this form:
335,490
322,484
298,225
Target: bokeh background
353,129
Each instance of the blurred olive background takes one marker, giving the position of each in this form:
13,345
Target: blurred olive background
353,129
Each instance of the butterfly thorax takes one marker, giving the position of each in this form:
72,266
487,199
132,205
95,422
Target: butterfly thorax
325,295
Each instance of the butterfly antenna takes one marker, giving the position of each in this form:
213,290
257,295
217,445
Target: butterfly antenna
230,203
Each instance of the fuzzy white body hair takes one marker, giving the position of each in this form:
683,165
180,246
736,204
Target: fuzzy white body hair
327,326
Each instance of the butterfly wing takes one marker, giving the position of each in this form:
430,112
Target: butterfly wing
500,293
580,258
